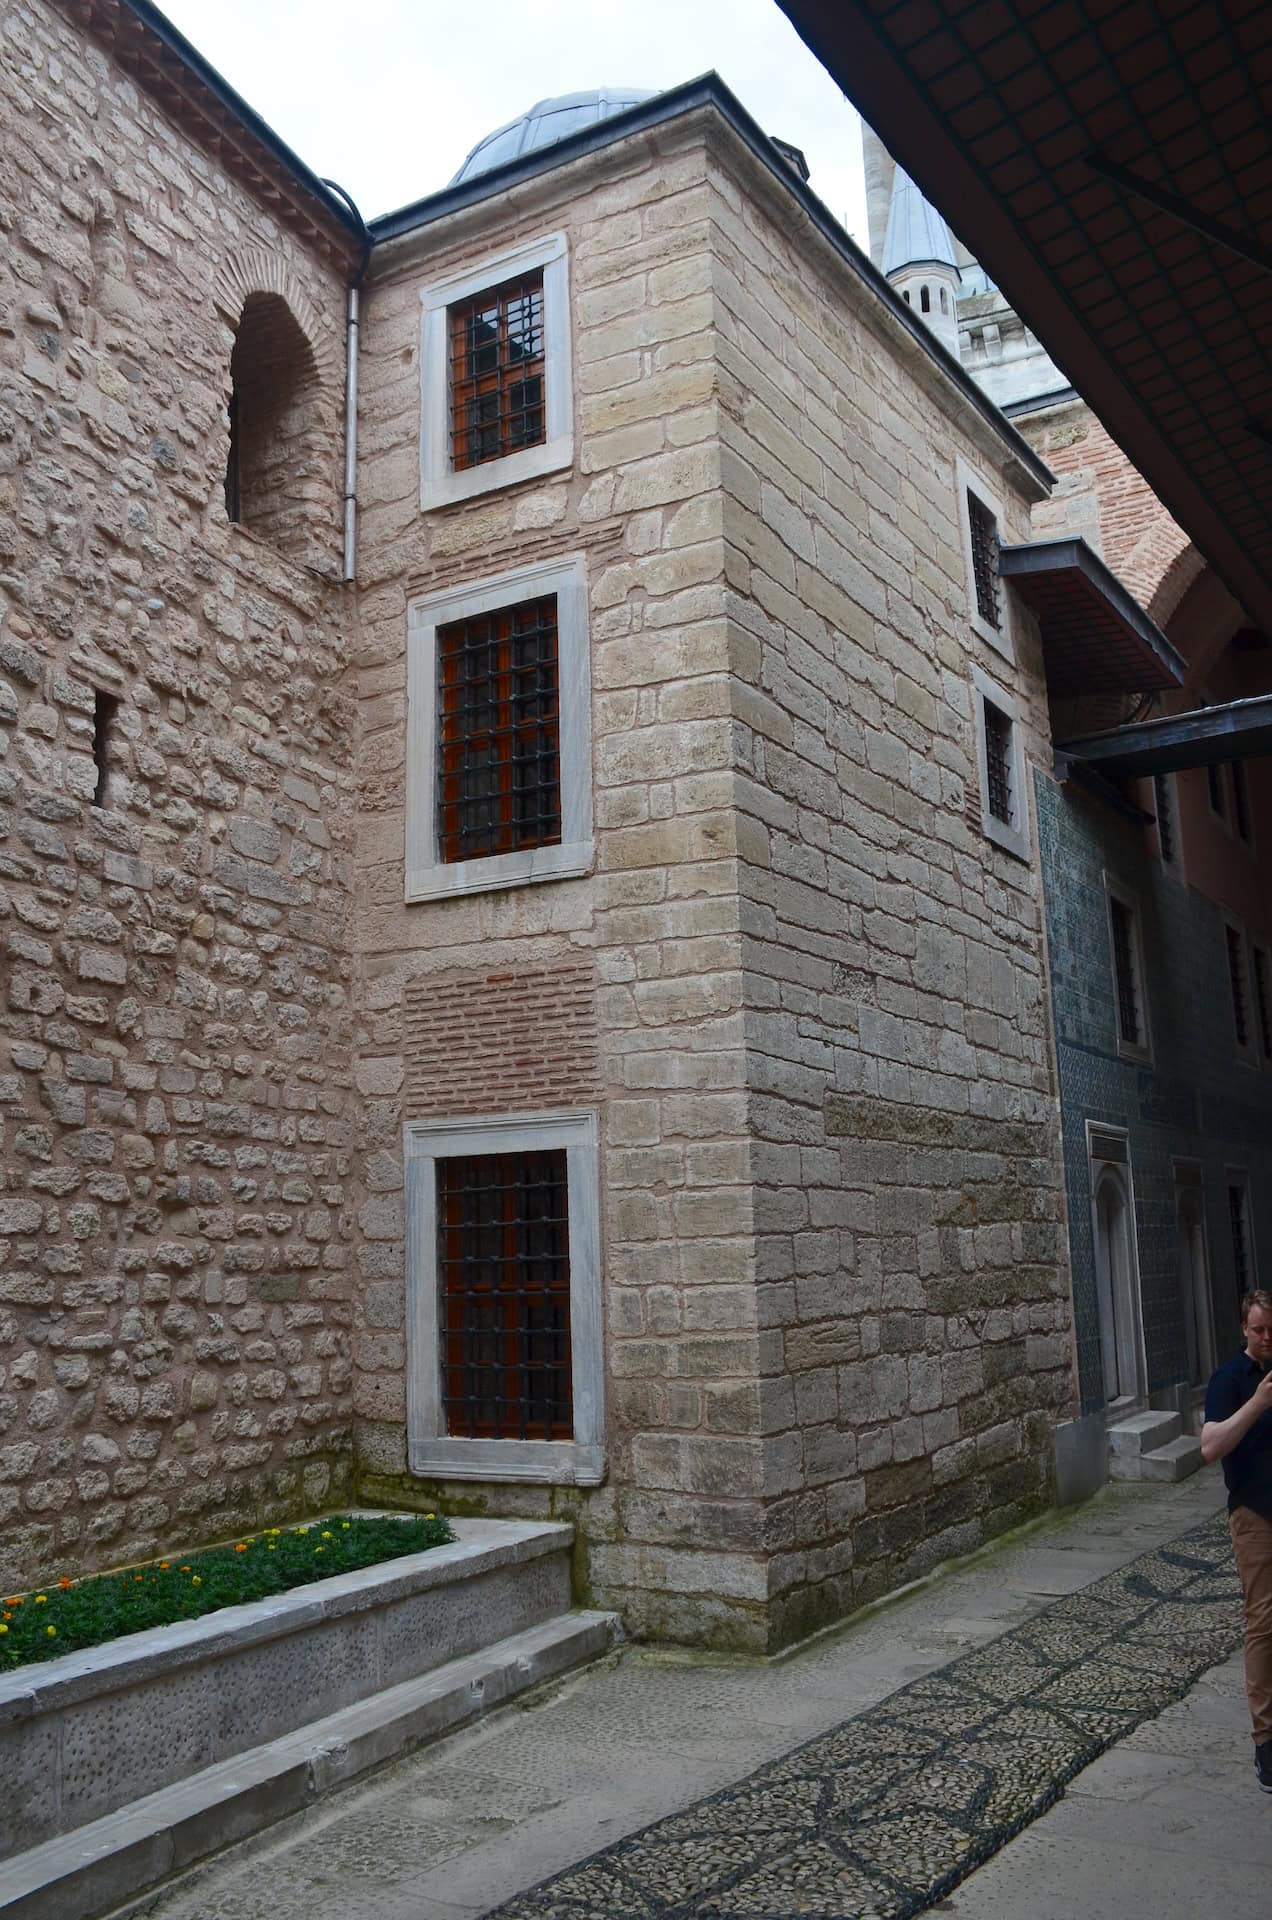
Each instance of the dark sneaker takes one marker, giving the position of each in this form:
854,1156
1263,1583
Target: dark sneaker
1263,1764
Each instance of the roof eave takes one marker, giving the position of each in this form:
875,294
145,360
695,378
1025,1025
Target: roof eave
709,91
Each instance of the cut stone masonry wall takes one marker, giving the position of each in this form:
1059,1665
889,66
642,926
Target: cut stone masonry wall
175,1134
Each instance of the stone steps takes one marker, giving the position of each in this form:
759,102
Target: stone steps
1152,1446
133,1850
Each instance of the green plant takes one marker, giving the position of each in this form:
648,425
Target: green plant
67,1614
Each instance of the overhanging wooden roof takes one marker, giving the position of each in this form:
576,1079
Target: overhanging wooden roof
1109,162
1237,731
1095,637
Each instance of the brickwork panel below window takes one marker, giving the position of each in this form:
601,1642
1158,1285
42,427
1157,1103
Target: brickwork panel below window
504,1265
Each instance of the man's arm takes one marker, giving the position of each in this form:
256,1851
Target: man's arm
1219,1437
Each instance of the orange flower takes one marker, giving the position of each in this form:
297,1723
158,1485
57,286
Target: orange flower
183,1569
138,1576
163,1566
64,1583
14,1601
241,1547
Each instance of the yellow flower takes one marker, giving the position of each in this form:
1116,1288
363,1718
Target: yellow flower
3,1628
328,1536
40,1599
197,1580
302,1529
320,1549
52,1632
269,1547
344,1526
272,1533
430,1516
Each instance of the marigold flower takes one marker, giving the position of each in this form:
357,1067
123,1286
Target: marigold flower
14,1601
241,1547
40,1599
269,1546
64,1582
328,1536
302,1529
52,1632
430,1516
197,1580
3,1628
184,1569
163,1566
139,1576
344,1524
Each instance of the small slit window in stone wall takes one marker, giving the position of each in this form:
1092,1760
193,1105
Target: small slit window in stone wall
1241,802
1237,986
984,530
1262,1000
105,708
1130,1024
1214,787
1164,808
1239,1222
998,758
272,454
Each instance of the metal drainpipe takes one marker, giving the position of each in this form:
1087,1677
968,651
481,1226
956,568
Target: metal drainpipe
350,500
351,436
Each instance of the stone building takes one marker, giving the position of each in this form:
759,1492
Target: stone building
542,1009
1152,837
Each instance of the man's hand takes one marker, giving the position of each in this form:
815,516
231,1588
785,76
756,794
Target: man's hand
1219,1437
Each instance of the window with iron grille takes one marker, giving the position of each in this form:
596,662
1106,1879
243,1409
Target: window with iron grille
503,1259
1242,1265
1241,800
499,750
1262,1005
505,1346
1163,802
998,767
496,383
497,372
1237,986
499,775
985,576
1130,1023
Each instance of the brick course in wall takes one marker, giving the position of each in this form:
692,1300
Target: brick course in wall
501,1042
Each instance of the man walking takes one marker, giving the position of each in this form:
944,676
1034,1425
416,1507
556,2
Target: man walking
1238,1431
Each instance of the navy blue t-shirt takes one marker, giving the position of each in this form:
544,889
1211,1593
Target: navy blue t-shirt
1247,1470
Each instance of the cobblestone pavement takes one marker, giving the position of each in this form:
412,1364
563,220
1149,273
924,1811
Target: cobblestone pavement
867,1811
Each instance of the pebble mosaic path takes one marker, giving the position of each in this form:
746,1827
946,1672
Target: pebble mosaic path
889,1811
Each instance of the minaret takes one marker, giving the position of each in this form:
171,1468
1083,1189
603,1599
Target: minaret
919,260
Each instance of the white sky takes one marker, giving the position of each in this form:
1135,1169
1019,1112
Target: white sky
387,96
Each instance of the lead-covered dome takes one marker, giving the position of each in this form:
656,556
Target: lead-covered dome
547,122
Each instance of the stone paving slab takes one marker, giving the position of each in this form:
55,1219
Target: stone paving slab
645,1736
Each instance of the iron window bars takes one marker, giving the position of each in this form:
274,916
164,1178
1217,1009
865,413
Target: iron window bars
998,763
497,372
984,532
499,764
1259,965
1236,981
1165,819
1128,1010
1240,1237
504,1266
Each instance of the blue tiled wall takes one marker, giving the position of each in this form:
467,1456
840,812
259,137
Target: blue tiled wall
1197,1100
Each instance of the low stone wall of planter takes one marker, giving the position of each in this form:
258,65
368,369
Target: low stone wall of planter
94,1731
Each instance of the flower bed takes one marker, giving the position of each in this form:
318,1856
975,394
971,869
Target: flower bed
69,1614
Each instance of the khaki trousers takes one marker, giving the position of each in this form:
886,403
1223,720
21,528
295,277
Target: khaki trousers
1252,1542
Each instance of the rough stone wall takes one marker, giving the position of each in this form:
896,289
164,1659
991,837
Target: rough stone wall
911,1290
1101,497
174,1022
674,1537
